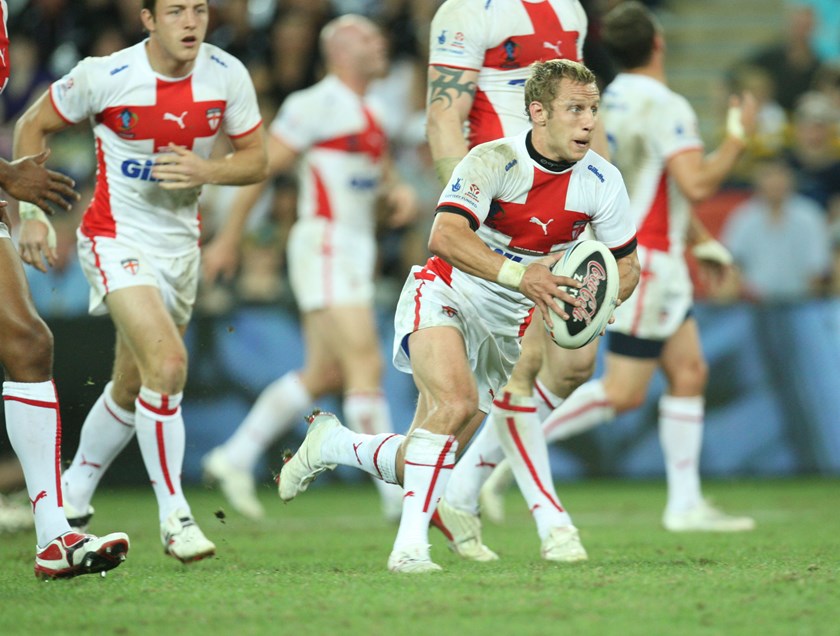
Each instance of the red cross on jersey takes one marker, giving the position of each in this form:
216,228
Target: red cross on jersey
500,39
135,114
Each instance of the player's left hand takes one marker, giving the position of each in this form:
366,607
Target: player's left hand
179,169
402,204
713,260
36,242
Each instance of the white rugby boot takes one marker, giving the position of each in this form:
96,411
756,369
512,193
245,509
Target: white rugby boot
73,554
305,465
183,539
706,518
237,485
413,559
491,497
562,545
463,530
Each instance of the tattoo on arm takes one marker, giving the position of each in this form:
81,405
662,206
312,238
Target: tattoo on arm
449,86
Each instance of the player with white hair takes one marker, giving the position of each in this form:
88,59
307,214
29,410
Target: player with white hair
332,131
156,109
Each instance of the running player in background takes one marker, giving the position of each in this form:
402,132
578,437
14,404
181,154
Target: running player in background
460,318
655,143
156,109
333,131
479,57
33,420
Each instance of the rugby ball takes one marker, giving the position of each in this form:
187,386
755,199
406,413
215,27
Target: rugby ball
591,263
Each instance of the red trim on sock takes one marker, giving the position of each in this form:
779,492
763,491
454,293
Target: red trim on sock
114,415
39,403
511,424
543,396
682,417
438,467
58,493
505,404
163,410
162,456
552,424
376,454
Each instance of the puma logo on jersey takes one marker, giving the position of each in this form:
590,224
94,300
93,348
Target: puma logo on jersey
178,120
544,226
554,47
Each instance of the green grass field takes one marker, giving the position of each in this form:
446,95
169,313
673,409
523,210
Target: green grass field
317,566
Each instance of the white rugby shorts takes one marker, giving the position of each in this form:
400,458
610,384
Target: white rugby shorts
661,300
110,264
427,301
330,265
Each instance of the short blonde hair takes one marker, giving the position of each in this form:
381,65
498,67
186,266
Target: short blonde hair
544,81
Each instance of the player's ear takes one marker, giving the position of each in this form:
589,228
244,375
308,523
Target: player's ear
537,113
148,20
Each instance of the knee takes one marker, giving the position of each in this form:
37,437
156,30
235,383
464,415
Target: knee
172,371
322,379
689,378
458,409
623,398
27,351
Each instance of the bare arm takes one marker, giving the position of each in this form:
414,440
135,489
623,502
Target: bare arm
628,275
698,176
449,98
221,256
453,240
36,241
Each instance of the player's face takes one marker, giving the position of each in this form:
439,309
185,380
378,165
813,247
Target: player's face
369,50
566,130
178,27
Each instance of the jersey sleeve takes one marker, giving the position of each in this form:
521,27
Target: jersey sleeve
471,189
72,95
675,128
457,36
612,222
242,113
296,124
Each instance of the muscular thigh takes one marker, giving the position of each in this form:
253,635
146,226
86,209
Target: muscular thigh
683,362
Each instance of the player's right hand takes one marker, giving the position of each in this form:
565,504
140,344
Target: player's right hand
31,181
545,289
34,244
219,259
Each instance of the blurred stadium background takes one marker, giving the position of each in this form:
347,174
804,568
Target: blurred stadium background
774,394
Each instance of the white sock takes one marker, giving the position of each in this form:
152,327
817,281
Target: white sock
33,422
275,412
105,433
547,400
473,468
367,412
681,437
374,454
429,459
524,444
584,409
160,433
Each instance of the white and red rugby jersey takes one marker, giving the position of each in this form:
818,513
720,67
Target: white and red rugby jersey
524,207
647,123
500,39
342,143
135,113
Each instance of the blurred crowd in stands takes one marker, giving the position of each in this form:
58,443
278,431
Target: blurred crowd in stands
780,216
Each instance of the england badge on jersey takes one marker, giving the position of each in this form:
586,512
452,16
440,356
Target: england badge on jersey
131,265
214,117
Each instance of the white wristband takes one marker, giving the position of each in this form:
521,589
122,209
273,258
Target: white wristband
734,127
31,212
510,274
712,251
